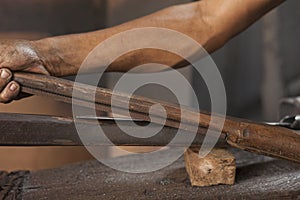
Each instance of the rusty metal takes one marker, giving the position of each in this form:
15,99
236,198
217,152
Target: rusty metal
39,130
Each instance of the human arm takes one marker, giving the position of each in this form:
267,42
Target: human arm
210,22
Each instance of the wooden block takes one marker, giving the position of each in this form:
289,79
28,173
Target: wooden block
218,167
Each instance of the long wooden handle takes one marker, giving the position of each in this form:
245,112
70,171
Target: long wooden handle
89,96
262,139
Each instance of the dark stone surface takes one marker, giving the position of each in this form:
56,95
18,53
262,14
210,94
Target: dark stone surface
257,178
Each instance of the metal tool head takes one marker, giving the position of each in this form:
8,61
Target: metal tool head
291,122
109,118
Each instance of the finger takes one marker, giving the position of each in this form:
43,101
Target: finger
5,76
10,92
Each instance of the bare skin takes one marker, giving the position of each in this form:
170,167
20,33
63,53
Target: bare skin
210,22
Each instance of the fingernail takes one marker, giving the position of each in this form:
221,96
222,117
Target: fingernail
13,87
4,74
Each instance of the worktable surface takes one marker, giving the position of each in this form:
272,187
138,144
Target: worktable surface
257,177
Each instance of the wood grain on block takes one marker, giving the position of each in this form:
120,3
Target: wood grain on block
218,167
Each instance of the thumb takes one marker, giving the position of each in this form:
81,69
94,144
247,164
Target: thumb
39,69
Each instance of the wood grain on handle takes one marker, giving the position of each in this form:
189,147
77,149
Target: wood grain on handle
267,140
259,138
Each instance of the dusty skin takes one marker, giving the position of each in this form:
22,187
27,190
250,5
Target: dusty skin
210,22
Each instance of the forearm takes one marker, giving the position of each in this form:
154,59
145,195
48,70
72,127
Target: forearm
210,22
69,51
